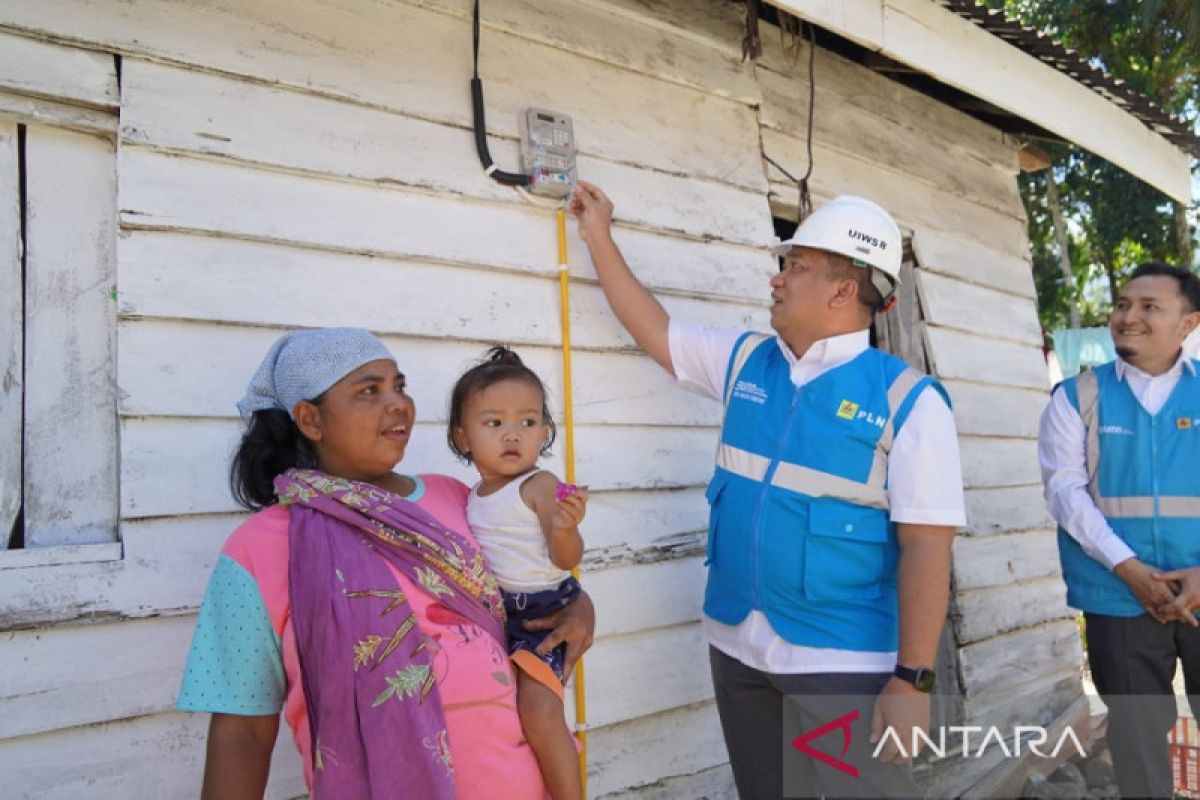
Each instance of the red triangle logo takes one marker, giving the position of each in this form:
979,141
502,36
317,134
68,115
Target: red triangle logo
842,723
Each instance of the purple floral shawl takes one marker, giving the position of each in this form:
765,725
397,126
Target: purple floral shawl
377,725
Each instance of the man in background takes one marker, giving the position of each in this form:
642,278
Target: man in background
1120,454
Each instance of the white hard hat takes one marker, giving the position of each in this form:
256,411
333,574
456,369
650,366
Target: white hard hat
858,229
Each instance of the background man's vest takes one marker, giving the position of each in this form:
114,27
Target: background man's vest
798,525
1144,477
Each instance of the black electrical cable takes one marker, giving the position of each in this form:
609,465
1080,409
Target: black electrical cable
485,158
804,201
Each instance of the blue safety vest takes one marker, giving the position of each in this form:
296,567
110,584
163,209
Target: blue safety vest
798,524
1144,477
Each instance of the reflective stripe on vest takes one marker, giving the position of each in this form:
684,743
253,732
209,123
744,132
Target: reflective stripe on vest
1088,389
805,480
745,348
1133,507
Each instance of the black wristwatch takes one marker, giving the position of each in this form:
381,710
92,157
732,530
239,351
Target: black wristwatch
920,677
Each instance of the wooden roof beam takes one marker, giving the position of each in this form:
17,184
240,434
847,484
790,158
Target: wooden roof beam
934,40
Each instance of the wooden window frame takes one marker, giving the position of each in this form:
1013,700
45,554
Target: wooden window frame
58,374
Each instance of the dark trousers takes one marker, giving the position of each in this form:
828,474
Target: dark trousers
761,713
1133,663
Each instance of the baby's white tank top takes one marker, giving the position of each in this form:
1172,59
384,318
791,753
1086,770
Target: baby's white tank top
512,540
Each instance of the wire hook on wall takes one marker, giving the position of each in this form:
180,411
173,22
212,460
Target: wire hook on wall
804,205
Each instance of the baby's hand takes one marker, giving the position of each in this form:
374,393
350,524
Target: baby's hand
572,505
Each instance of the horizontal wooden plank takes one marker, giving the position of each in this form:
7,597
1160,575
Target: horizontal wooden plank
992,462
155,481
608,387
918,146
203,278
914,203
714,25
632,41
988,410
640,674
164,571
893,101
966,259
643,526
133,669
655,110
157,756
642,596
623,457
39,111
982,613
167,560
983,311
641,751
998,664
60,555
1038,703
136,665
982,561
174,108
967,357
403,58
1014,508
177,192
68,74
159,191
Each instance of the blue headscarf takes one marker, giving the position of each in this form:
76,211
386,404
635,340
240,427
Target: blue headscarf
301,365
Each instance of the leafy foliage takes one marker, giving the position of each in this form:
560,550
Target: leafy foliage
1114,221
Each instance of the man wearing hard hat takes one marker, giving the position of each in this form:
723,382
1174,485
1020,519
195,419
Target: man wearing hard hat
833,507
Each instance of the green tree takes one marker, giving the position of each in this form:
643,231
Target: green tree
1113,220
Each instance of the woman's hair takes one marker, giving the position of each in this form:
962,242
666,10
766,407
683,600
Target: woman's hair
271,445
498,364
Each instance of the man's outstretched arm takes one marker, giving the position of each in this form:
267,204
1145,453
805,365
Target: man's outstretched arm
636,308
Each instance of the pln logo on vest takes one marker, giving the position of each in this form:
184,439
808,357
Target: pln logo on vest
852,411
1186,423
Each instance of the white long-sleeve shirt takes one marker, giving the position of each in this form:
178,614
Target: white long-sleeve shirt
1062,451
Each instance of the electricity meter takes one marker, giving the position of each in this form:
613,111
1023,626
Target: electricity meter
548,152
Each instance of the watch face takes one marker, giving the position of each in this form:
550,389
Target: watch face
924,679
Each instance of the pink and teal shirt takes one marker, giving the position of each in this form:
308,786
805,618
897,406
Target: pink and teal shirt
244,660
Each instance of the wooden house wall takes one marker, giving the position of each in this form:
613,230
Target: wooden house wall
295,163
